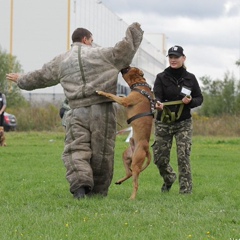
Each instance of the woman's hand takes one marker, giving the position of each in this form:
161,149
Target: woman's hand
187,99
159,106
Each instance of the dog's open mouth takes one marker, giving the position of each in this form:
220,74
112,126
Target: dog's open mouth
125,70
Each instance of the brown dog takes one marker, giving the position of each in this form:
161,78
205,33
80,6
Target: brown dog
2,137
139,104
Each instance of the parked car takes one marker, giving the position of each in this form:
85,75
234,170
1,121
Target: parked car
10,122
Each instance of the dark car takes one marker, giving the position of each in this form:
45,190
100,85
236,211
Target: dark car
10,122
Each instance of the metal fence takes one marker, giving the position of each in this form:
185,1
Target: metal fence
58,98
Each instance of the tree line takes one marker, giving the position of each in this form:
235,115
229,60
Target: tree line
221,96
13,94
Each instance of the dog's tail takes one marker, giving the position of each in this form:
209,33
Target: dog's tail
148,155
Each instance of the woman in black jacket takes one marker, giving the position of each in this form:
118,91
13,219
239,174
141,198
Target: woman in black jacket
176,92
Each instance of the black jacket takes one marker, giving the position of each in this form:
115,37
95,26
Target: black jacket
168,87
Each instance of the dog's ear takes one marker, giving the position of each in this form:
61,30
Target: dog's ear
125,70
140,72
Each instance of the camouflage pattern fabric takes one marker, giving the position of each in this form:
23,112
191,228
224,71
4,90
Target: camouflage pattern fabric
89,148
164,133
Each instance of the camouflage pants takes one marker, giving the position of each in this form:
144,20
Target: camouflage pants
164,133
89,148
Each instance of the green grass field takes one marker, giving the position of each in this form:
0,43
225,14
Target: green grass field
36,204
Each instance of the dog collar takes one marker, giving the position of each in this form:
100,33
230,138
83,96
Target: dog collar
140,84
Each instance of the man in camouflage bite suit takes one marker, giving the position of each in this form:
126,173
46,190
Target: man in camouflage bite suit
91,122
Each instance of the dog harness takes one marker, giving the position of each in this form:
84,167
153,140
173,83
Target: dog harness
147,95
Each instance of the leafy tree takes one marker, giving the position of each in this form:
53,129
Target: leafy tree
220,96
238,62
228,94
8,64
212,96
237,99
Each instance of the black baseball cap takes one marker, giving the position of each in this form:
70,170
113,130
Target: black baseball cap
176,50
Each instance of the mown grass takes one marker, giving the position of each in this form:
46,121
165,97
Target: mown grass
35,201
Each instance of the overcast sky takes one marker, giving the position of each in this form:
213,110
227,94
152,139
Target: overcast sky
208,30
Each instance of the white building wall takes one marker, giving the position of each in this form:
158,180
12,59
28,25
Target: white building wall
108,29
41,31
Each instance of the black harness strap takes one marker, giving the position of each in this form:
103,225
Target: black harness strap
147,95
140,115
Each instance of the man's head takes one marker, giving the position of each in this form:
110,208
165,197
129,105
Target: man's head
82,35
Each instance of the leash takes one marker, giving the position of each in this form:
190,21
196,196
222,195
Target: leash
168,116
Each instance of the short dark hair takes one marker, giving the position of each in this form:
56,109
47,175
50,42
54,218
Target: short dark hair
80,33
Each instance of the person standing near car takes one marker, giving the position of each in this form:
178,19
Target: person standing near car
3,105
91,123
63,111
177,91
